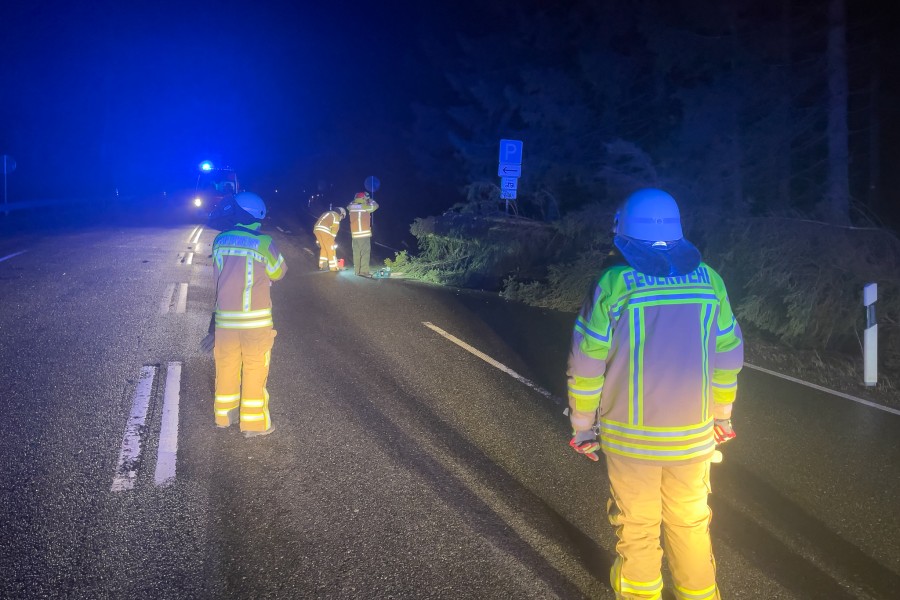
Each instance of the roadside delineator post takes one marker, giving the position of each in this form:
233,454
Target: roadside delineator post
870,341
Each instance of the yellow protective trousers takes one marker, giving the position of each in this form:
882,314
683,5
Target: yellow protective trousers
327,256
642,498
242,368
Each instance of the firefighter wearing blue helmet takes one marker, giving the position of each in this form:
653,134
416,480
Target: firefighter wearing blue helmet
653,368
245,262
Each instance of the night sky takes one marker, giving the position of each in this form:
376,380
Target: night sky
133,95
101,96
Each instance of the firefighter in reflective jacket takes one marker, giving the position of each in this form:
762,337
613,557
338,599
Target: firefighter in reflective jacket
246,263
361,231
325,230
654,362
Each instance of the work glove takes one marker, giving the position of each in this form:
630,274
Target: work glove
208,343
722,431
585,442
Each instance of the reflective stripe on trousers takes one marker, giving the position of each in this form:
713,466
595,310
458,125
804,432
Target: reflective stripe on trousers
242,368
327,254
645,496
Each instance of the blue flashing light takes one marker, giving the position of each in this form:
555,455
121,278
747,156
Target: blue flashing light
206,166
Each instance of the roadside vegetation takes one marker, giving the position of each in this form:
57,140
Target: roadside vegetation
795,284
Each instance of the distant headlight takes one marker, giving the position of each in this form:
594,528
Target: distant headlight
198,202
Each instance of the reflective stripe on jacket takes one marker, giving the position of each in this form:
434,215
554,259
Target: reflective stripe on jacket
245,264
329,223
659,357
361,218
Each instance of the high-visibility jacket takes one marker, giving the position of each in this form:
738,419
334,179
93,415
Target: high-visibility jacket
656,358
361,218
329,222
245,264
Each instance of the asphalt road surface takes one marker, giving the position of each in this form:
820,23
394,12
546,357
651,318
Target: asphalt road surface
419,452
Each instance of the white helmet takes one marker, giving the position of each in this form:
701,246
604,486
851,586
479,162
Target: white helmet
342,212
651,215
251,203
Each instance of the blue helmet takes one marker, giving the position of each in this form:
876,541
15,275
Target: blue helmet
650,215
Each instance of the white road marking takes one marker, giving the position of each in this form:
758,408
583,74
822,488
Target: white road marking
279,229
491,361
167,299
197,237
195,231
189,258
130,453
181,303
8,256
168,433
826,390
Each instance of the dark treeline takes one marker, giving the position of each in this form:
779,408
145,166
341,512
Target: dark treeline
746,106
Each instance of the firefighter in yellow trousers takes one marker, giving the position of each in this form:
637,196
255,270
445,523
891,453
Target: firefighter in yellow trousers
654,362
246,262
326,230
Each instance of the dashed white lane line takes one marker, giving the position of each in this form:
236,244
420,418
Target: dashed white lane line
195,235
168,433
167,299
491,361
181,303
185,258
130,452
14,254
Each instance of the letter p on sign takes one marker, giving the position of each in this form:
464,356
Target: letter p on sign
511,152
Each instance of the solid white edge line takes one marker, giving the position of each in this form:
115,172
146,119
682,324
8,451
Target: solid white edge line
14,254
826,390
544,392
167,299
167,453
181,304
130,452
490,360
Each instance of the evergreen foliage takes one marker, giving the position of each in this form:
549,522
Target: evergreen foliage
797,281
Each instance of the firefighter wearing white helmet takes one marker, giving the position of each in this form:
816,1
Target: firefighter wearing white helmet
326,230
246,262
653,368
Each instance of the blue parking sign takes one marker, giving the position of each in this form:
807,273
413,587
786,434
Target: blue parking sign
511,151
